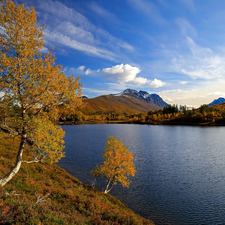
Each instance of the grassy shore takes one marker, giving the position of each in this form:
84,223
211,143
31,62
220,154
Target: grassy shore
47,194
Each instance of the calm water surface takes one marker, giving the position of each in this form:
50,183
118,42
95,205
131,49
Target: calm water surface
180,176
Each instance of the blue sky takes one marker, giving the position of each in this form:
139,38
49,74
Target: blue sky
174,48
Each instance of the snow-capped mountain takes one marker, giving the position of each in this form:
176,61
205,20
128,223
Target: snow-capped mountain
145,96
217,101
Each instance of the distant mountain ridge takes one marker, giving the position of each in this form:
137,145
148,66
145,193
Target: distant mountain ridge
128,101
217,101
145,96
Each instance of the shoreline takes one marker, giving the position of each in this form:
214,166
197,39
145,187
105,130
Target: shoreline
166,123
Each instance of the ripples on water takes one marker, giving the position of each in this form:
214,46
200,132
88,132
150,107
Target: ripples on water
180,176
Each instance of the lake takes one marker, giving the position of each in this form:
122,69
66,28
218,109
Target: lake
180,176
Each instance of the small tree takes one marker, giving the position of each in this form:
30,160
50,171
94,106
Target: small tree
118,164
34,89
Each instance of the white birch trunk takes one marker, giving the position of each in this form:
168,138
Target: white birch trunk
106,189
17,166
109,187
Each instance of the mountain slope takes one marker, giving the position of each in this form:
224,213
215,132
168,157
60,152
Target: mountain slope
220,106
129,101
116,104
145,96
217,101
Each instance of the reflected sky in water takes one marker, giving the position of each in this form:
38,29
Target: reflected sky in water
180,175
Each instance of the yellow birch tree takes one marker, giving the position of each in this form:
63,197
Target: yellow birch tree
118,164
32,88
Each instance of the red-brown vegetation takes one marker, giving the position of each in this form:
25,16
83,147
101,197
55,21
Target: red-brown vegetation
44,194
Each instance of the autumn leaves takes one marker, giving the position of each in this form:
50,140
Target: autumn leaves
35,94
35,89
118,164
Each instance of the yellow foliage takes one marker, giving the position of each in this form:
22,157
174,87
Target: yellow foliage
27,77
118,164
48,139
35,89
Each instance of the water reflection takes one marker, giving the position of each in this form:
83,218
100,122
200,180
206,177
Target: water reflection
180,169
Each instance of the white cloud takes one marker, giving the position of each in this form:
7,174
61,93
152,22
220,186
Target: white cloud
217,93
127,73
122,73
44,50
103,12
201,63
77,32
181,98
58,12
96,91
196,94
113,41
183,82
59,38
140,81
169,92
156,83
117,87
72,69
88,71
81,68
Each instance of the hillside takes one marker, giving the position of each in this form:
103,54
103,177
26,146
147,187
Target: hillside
217,101
145,96
116,104
220,106
47,194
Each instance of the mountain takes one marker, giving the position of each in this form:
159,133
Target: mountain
217,101
128,101
220,106
145,96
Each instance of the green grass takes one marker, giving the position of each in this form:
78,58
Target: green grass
63,199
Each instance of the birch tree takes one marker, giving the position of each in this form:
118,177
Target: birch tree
32,88
118,164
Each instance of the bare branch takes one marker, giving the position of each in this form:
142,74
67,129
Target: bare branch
41,199
12,193
33,161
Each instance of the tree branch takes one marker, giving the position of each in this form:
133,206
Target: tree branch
33,161
11,132
39,199
7,130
